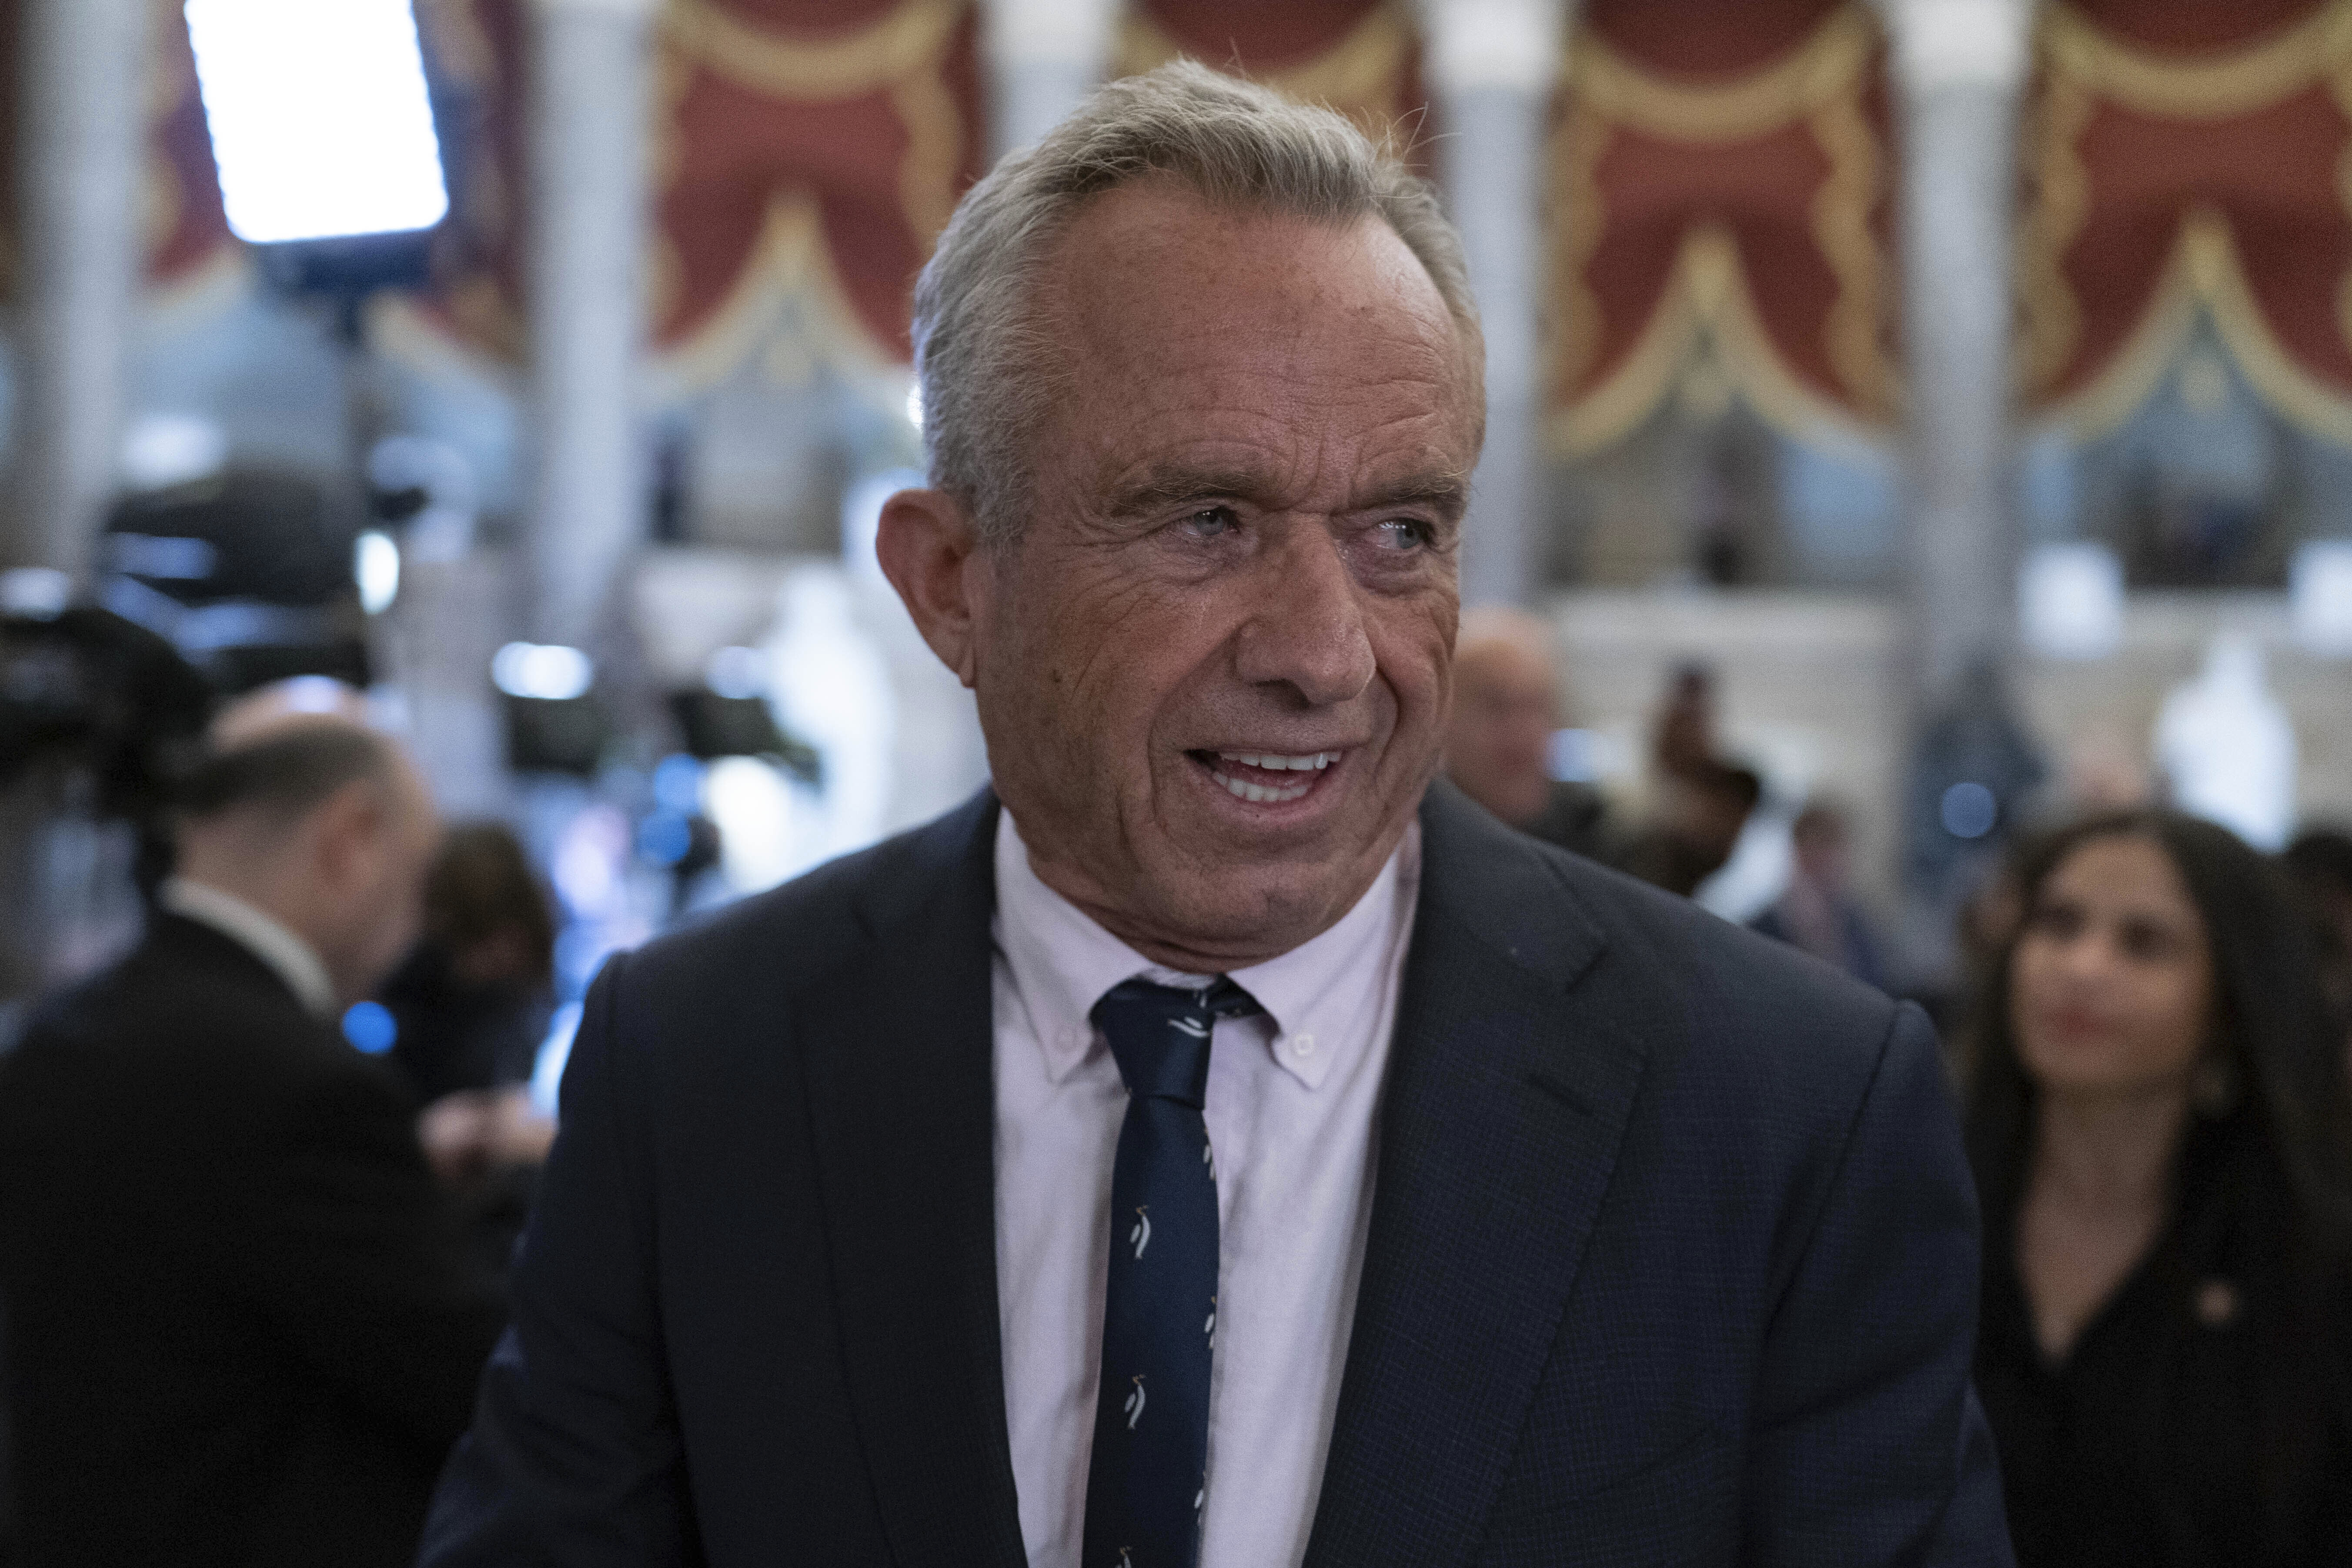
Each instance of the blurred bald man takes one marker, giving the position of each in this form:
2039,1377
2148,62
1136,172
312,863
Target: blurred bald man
1506,706
244,1326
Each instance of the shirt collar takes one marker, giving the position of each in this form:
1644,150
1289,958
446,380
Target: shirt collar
1315,988
290,958
1063,961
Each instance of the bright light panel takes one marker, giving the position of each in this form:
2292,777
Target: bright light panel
375,566
547,672
319,121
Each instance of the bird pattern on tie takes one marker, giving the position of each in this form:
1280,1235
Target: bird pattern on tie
1147,1489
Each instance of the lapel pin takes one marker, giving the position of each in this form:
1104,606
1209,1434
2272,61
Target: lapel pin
2217,1303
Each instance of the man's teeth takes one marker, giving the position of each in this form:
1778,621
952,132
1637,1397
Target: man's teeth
1314,761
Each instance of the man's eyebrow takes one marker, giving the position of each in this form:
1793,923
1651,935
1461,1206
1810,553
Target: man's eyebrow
1443,492
1447,494
1173,485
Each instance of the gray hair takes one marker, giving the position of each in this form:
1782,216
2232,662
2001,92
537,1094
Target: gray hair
979,351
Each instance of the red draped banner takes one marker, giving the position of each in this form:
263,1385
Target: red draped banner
1361,58
1719,183
1719,205
800,147
814,148
2189,160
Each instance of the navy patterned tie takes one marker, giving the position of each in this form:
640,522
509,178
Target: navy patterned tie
1149,1473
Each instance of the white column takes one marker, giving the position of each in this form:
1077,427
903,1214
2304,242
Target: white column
1492,65
437,643
1960,65
1043,56
590,80
81,121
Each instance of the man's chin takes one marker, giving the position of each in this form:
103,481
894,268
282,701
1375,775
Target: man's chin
1231,909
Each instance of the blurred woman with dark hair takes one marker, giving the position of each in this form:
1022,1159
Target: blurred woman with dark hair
471,1007
472,1002
2162,1136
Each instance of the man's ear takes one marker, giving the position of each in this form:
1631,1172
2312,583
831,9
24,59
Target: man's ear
349,826
930,550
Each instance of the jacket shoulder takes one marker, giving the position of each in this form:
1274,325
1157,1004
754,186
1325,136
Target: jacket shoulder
1726,1004
1780,988
187,1042
176,993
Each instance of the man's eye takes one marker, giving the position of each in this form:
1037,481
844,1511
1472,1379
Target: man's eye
1211,521
1402,533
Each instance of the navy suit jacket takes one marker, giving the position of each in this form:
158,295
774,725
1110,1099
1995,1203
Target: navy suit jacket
1673,1254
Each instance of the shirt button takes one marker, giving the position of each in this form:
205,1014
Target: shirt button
1302,1045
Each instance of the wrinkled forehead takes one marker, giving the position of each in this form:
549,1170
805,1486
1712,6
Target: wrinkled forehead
1164,315
1156,260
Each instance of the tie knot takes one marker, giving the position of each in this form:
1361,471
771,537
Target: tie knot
1160,1034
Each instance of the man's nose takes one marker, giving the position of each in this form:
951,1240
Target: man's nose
1306,630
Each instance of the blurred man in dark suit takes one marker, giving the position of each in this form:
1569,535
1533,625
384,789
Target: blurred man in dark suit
1221,1144
242,1326
1506,708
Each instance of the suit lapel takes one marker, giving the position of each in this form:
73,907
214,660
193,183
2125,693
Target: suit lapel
1505,1102
901,1103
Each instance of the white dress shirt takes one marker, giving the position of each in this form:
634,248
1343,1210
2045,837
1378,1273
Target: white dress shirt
1292,1101
289,957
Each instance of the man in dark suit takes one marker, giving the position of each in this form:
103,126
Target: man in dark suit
1231,1148
242,1327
